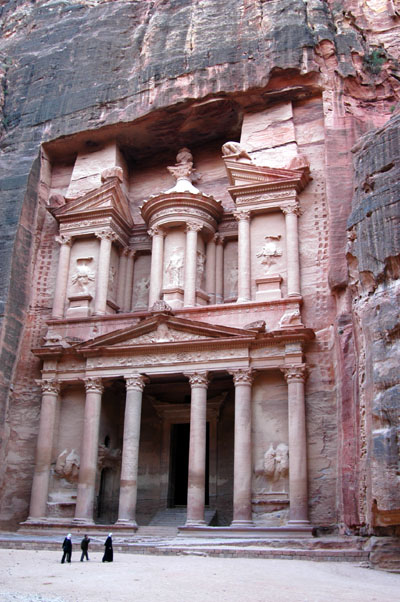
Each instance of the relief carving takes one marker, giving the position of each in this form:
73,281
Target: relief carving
290,318
232,281
67,465
276,462
270,251
83,276
200,263
174,269
142,292
230,149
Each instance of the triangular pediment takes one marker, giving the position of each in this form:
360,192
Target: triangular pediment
164,330
105,200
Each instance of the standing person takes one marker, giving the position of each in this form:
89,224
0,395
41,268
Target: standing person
84,547
67,549
108,552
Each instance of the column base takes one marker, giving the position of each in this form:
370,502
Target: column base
195,523
243,300
299,523
124,522
83,521
237,524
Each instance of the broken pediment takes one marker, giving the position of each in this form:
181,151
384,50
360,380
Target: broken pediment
165,329
244,175
108,200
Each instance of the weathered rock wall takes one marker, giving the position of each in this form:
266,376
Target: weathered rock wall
87,65
373,256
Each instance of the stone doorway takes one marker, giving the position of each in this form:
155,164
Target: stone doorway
107,501
179,464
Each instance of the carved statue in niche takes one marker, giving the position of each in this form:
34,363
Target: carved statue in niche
276,462
67,465
142,291
112,280
84,275
174,268
201,260
232,281
270,250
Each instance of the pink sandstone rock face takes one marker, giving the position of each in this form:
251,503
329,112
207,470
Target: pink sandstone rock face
295,84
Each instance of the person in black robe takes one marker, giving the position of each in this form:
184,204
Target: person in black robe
67,549
108,552
84,547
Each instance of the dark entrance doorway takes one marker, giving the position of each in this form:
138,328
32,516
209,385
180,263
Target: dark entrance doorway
179,465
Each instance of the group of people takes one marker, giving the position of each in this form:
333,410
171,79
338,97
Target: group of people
67,549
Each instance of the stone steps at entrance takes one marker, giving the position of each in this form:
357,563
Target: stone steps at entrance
176,517
164,541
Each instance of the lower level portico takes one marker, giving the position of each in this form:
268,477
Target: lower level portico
172,413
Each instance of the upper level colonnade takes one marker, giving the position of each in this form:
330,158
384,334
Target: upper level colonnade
190,252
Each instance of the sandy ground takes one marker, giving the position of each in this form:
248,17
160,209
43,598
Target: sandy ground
30,576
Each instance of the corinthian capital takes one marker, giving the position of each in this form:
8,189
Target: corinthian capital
106,234
291,209
93,384
193,227
197,379
242,215
135,382
242,376
49,385
155,231
295,373
62,239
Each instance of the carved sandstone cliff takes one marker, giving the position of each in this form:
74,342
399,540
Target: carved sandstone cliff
186,72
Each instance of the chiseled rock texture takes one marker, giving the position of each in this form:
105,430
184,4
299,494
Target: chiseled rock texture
373,255
90,66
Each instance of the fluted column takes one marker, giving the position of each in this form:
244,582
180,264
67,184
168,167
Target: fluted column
210,269
130,263
197,449
123,258
89,451
157,265
103,270
242,463
292,250
189,294
62,276
244,270
130,450
40,486
219,269
298,496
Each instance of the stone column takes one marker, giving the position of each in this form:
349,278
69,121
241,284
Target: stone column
219,270
103,270
62,276
197,449
89,451
210,269
40,486
157,265
130,263
242,463
298,498
244,270
123,258
130,450
292,250
189,294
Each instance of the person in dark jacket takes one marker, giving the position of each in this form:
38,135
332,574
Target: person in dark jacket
67,549
84,547
108,552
